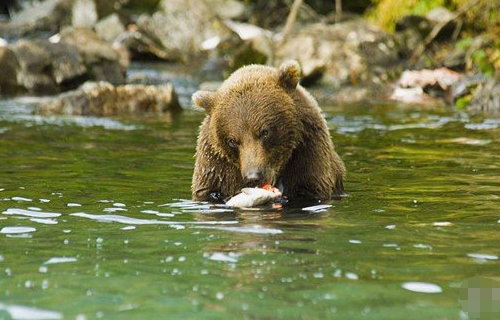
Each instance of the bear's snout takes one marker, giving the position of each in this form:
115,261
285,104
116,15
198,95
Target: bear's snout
254,178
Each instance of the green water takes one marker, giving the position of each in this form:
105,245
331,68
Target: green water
424,202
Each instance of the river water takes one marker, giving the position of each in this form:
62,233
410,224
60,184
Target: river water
96,222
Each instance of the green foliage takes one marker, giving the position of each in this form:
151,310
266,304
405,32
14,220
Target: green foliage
463,102
480,59
480,22
465,43
386,13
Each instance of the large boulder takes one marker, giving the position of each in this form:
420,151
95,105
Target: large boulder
38,17
352,52
486,98
103,61
61,63
46,67
109,28
178,29
104,99
9,66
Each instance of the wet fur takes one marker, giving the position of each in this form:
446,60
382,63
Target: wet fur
299,152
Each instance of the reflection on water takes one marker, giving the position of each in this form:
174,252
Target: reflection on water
94,222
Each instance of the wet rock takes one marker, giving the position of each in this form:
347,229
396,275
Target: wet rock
103,61
247,44
443,16
46,67
83,13
61,63
9,66
486,98
104,99
420,85
109,28
177,30
443,78
38,17
349,52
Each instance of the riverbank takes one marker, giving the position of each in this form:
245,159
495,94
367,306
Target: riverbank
56,46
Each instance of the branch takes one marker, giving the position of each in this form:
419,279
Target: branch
437,28
290,21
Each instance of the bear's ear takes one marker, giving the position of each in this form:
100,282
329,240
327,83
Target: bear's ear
204,99
289,74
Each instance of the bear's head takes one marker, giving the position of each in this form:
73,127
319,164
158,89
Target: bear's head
253,119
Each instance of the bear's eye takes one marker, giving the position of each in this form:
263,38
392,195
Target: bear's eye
232,143
264,134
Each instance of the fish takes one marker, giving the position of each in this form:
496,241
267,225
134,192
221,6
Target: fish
251,197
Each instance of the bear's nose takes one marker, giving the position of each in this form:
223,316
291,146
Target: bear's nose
254,178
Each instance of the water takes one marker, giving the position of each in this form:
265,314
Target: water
95,222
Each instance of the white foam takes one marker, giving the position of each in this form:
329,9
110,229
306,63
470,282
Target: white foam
482,256
44,221
442,224
135,221
248,229
318,208
31,213
422,287
21,199
114,209
17,312
56,260
73,205
17,230
222,257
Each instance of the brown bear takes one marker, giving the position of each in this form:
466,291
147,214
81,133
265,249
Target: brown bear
262,127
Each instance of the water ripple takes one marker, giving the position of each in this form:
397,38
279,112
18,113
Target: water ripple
31,213
17,312
17,230
135,221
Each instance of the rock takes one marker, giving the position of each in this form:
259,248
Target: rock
103,61
414,22
109,28
177,30
352,52
83,13
38,17
247,44
419,86
61,63
43,18
443,78
9,66
46,67
104,99
440,15
412,95
486,98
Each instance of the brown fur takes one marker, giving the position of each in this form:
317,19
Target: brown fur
261,119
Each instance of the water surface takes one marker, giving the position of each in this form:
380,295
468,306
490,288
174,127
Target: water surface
94,222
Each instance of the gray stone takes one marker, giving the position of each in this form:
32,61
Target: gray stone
486,98
47,67
104,99
103,61
109,28
9,67
352,52
178,29
83,13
